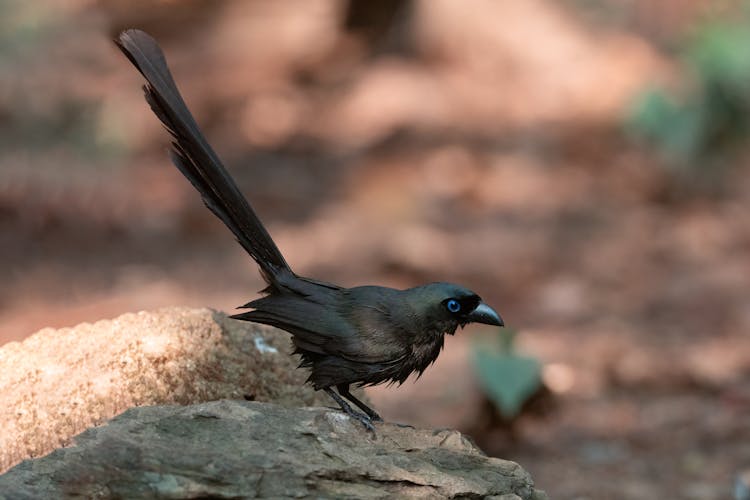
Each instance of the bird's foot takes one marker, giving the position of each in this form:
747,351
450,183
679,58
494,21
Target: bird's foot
404,426
363,419
344,391
374,417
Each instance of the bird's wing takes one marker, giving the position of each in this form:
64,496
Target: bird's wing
328,323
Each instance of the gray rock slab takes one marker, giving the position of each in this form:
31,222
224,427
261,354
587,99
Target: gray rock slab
241,449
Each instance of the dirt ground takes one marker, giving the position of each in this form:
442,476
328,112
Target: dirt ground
478,145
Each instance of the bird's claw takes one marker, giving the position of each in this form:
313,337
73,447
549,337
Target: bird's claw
364,420
404,426
361,418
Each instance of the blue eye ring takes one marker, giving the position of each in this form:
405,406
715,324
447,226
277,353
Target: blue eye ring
453,305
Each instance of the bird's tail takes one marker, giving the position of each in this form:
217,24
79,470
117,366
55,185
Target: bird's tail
195,158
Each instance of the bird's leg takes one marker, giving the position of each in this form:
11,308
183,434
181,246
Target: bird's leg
362,418
344,391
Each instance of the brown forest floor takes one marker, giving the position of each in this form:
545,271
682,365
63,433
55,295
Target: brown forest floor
471,155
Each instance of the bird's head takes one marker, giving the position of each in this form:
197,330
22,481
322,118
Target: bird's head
452,305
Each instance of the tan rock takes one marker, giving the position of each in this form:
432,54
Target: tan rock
57,383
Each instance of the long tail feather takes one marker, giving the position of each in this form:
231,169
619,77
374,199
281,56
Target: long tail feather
195,158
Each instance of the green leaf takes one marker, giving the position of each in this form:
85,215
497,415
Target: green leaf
701,126
508,379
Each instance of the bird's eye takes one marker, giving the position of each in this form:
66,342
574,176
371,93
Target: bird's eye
453,306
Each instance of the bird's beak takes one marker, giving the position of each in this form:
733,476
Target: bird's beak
486,315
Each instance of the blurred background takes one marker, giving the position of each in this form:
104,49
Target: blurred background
581,164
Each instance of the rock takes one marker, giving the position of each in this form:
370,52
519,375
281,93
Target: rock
57,383
242,449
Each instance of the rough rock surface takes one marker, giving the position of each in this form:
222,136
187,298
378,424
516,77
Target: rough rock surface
241,449
57,383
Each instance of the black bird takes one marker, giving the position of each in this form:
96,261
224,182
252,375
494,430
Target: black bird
365,335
